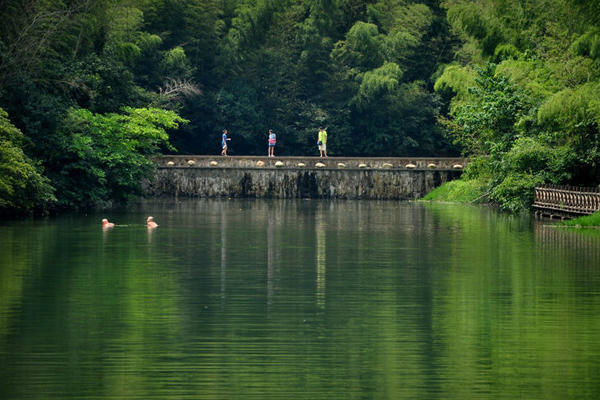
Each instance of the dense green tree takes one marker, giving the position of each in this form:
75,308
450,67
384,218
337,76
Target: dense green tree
526,94
23,189
515,82
108,153
85,55
241,114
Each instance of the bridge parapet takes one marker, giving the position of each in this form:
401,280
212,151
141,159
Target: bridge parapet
283,177
247,162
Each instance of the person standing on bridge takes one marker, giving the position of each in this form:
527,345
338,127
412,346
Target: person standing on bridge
272,142
224,140
322,142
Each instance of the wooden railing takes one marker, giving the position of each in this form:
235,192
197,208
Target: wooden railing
567,199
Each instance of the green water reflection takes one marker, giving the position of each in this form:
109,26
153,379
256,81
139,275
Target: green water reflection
236,299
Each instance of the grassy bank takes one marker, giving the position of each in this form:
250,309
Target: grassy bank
459,191
588,221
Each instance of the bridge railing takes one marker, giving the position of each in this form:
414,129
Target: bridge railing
203,161
567,199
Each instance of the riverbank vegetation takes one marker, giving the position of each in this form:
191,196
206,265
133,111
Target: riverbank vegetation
458,191
528,111
89,89
588,221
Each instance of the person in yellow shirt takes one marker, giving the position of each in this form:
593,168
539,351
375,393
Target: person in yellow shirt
322,142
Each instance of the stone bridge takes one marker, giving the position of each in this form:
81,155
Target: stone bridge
301,177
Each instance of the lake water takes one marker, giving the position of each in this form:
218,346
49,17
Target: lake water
298,299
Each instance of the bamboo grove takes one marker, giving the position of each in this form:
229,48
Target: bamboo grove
90,88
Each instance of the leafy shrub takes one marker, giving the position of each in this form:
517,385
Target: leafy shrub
477,168
515,192
526,164
530,156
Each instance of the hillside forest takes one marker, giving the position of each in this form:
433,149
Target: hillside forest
90,89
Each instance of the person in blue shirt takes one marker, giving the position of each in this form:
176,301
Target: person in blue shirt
272,142
224,140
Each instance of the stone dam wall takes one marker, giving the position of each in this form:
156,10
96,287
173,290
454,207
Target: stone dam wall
301,177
